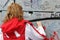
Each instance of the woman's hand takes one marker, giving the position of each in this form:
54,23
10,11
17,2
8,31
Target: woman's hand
39,23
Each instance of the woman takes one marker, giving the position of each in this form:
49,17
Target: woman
16,28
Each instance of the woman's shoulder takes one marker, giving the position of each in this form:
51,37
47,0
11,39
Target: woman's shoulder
10,22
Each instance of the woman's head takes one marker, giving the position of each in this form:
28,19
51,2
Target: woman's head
14,10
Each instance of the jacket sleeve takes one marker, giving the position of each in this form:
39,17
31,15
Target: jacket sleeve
1,35
9,26
31,33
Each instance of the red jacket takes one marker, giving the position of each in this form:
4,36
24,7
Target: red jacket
12,25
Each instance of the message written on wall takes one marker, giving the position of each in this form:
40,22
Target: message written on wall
5,3
45,5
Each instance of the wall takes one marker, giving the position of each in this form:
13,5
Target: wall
34,9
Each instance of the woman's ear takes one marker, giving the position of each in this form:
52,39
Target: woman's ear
10,16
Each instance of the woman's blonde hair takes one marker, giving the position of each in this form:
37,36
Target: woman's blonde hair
14,10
